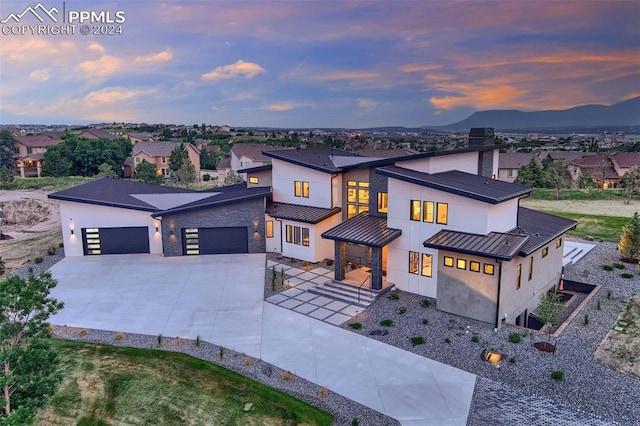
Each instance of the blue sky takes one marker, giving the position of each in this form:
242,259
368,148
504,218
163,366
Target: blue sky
319,63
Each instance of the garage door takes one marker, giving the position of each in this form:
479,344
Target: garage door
215,240
123,240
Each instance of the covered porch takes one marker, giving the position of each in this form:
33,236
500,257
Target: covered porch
370,232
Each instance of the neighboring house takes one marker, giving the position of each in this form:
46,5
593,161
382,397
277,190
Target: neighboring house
509,164
158,153
624,162
437,224
247,155
97,134
29,153
135,137
599,168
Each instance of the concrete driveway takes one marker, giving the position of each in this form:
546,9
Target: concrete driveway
220,299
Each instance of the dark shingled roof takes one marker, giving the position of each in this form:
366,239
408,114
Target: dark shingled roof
115,193
495,245
460,183
541,228
300,213
256,169
225,197
363,229
317,158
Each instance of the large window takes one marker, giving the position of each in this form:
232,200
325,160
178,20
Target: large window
426,264
305,237
357,197
383,202
297,237
442,213
413,262
301,189
269,228
518,276
427,211
415,210
289,233
293,234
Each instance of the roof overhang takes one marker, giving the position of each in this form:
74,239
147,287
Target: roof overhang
363,229
495,245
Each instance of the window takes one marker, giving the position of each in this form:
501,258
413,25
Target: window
163,160
448,261
415,210
351,210
443,213
245,164
357,198
413,262
289,233
296,235
488,269
383,202
305,189
461,264
29,150
305,237
530,268
558,242
297,188
426,265
254,179
518,276
513,173
474,266
427,211
545,252
138,160
269,228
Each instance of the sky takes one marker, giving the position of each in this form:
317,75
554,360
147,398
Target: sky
313,64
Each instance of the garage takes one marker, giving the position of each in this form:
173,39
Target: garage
219,240
121,240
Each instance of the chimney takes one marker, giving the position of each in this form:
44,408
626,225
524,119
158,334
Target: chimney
479,137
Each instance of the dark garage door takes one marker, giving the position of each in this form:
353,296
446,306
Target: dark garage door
215,240
124,240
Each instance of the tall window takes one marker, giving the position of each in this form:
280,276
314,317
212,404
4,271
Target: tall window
357,197
427,211
530,268
558,242
305,189
426,264
415,210
305,237
414,262
296,235
289,233
442,213
269,228
518,276
383,202
163,160
545,252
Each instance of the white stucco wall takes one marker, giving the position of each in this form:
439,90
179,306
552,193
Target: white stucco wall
318,249
284,174
79,215
273,244
464,162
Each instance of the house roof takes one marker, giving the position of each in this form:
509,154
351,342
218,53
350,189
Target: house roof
460,183
515,160
565,155
386,153
320,159
300,213
496,245
626,159
157,149
363,229
225,163
541,228
251,150
235,195
256,169
143,136
34,141
99,133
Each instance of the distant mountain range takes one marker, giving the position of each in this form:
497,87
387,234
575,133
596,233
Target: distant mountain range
626,113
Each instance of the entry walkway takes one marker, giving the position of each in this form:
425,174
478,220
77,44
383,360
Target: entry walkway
219,298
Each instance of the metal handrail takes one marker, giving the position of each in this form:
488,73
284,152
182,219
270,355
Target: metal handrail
359,287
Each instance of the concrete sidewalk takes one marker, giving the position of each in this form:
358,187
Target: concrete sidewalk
220,299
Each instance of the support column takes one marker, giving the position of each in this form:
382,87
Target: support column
376,268
340,260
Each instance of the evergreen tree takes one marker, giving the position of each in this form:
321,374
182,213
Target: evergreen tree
147,172
531,174
186,174
629,245
178,156
630,182
7,145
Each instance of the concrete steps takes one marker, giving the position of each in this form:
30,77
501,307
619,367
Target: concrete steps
336,290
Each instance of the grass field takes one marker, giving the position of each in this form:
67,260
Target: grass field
45,183
606,228
116,385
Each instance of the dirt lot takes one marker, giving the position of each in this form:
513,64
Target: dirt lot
594,207
32,222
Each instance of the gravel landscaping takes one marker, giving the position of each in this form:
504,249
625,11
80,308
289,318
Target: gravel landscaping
587,387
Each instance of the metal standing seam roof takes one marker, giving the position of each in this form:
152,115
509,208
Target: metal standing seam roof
541,228
467,185
363,229
217,199
298,213
497,245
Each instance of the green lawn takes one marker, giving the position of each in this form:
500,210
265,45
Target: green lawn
579,194
116,385
606,228
46,183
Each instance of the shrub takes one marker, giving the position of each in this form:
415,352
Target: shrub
355,422
557,375
626,275
585,320
38,259
198,340
82,332
618,265
324,392
393,296
221,352
386,323
447,340
247,361
425,321
51,251
607,267
60,245
159,340
598,307
2,266
286,376
119,336
401,310
417,340
475,338
515,337
425,303
206,177
355,325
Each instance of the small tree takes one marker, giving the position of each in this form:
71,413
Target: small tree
147,172
106,170
178,156
6,177
553,176
549,309
28,374
531,174
629,245
631,182
186,174
7,146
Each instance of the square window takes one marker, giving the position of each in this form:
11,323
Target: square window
558,242
448,261
383,202
305,237
461,264
545,252
351,195
415,210
426,265
351,211
488,269
269,228
474,266
363,196
442,213
296,235
427,211
253,179
138,160
413,262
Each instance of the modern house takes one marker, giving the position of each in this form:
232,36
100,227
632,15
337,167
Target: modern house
437,224
29,153
158,153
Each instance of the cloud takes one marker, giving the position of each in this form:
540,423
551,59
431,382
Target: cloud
367,103
348,75
105,66
420,68
97,47
278,107
39,75
115,95
163,56
481,97
239,69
